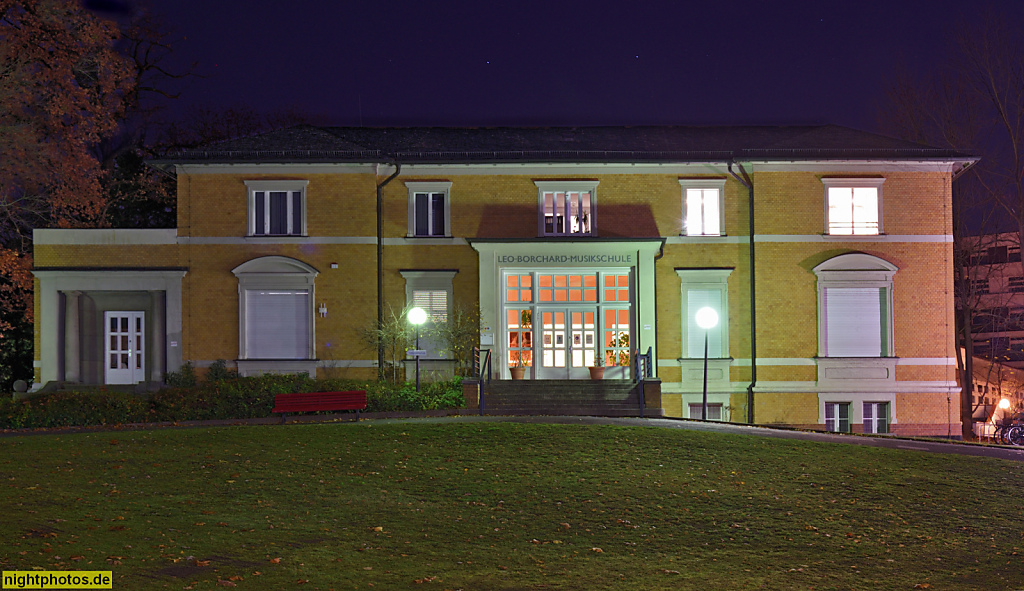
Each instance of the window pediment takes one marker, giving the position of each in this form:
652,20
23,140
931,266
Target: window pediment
276,265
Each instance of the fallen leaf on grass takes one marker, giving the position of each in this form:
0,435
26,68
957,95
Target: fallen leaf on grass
275,560
922,586
224,583
378,528
598,550
669,572
425,580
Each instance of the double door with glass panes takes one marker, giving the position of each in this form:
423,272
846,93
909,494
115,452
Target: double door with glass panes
563,334
124,337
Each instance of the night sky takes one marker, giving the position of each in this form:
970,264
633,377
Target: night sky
484,63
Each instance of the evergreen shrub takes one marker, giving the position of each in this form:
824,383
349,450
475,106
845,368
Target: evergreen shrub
222,395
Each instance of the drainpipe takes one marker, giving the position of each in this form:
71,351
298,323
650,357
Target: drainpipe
380,264
749,184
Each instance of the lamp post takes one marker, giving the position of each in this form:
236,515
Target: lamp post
417,317
707,319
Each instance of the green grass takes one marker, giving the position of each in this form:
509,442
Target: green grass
505,506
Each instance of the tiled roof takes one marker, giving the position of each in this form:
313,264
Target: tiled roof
561,144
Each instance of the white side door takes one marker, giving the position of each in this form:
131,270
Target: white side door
124,359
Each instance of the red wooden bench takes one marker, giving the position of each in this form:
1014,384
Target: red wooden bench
314,401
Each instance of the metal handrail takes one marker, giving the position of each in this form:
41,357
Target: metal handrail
642,370
479,365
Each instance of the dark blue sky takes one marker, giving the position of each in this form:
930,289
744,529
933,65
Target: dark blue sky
489,62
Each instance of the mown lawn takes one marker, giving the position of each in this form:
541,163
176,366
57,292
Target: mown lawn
505,506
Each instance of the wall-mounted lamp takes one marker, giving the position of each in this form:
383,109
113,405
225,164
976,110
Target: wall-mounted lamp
323,310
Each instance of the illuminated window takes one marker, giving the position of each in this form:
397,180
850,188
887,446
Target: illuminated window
432,291
703,207
566,208
700,288
277,208
429,211
853,206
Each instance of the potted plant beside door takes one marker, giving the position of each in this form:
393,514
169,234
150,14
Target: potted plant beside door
597,370
518,370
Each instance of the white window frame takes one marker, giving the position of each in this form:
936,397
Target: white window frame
872,423
854,183
712,407
704,280
430,280
276,272
856,401
429,187
266,187
856,270
703,184
569,187
834,424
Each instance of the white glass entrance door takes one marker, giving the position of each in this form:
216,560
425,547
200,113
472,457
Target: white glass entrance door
568,341
559,322
124,352
554,343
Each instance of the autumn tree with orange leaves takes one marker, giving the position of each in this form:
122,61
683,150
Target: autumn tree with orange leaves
62,90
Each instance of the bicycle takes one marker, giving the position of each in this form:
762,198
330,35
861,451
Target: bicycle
1009,432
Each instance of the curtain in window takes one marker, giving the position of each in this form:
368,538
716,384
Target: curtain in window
429,214
695,300
435,304
702,214
277,324
853,322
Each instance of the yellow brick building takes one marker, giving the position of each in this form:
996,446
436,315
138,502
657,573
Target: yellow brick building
824,252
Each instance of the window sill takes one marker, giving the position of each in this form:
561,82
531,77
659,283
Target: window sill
692,370
702,235
856,372
270,238
257,367
852,236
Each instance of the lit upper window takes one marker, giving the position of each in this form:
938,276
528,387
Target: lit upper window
702,206
853,206
277,208
566,208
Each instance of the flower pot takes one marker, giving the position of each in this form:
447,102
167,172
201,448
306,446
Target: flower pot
596,373
517,372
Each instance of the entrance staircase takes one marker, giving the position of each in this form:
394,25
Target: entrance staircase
607,398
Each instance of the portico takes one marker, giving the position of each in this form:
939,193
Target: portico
557,307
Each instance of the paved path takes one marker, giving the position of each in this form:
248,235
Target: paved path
924,445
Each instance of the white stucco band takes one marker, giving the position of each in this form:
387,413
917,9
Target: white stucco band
596,254
53,282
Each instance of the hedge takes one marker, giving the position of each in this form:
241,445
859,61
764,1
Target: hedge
226,396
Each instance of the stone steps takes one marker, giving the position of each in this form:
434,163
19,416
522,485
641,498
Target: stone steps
562,397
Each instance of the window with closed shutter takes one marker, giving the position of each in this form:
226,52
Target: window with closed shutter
277,324
853,322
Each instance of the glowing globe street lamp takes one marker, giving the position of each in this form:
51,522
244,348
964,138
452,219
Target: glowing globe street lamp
417,316
707,319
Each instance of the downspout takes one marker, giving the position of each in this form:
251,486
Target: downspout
380,265
749,184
